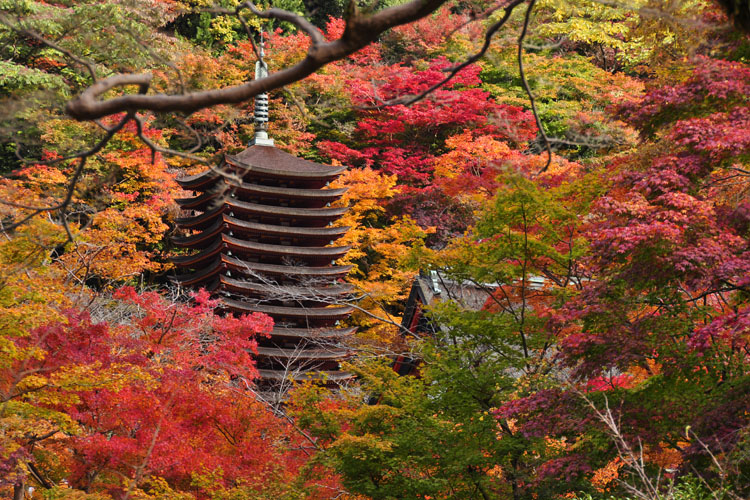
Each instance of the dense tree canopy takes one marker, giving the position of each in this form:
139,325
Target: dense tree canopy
579,186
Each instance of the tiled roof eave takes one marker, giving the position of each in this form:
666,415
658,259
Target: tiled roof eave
256,227
286,192
278,375
307,293
199,240
334,312
242,266
198,258
284,250
193,278
312,333
310,353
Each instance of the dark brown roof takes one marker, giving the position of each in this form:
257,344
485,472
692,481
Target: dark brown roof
334,312
312,333
271,291
232,205
263,161
317,353
284,250
291,212
200,181
201,202
215,197
196,259
275,161
333,376
202,221
285,192
202,239
244,267
308,253
309,234
193,278
276,269
256,227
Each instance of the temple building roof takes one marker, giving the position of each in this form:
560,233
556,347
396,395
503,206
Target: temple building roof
213,198
281,292
262,162
281,164
304,216
319,333
309,255
316,353
328,232
288,193
205,238
304,272
279,375
298,312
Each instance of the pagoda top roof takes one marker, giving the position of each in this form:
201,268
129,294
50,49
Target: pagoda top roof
273,159
263,161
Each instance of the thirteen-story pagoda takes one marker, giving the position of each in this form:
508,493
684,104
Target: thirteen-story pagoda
263,240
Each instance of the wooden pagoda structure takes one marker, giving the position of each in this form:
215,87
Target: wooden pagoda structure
262,239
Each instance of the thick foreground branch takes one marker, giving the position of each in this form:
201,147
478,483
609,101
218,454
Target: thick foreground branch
360,31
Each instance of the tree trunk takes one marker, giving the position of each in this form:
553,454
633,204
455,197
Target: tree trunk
18,491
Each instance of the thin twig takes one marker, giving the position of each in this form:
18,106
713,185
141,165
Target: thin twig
527,88
90,67
155,148
409,100
66,201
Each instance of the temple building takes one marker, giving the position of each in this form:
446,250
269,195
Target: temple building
261,230
431,288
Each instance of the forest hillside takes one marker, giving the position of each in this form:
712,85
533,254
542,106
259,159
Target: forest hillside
549,224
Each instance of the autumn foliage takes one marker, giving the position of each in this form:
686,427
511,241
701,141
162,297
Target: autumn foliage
587,330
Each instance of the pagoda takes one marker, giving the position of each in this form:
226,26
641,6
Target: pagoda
261,230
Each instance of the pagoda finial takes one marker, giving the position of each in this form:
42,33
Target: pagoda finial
261,101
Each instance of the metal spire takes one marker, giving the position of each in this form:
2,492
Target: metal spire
261,102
